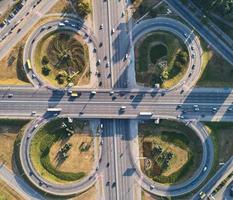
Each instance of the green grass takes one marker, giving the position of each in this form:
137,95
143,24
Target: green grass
64,52
180,135
39,152
216,71
157,52
149,50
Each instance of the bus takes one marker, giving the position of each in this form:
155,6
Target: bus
54,109
29,65
145,113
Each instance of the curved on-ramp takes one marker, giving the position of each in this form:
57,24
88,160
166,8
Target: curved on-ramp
185,34
65,189
45,29
193,182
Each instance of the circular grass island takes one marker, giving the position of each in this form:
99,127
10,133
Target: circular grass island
62,58
63,152
170,150
161,58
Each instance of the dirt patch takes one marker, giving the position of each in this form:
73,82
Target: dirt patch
77,160
88,195
169,151
6,148
8,193
180,155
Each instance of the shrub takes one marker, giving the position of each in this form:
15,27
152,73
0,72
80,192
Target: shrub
45,60
46,70
61,77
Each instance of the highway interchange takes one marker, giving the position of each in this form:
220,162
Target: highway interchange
117,139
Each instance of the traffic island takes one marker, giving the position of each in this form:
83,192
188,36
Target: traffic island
170,152
61,58
162,60
63,151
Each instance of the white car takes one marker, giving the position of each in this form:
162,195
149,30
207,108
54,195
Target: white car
61,24
113,30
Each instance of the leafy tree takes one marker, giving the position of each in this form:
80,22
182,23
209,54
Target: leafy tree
45,60
61,76
46,70
83,8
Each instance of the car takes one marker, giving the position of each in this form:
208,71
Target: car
229,109
33,76
107,64
107,165
123,14
152,187
98,62
185,35
113,31
192,48
202,195
33,113
178,106
100,44
204,169
196,109
67,21
93,92
126,56
122,109
180,117
61,24
193,55
101,26
10,95
101,126
190,74
111,92
113,184
214,109
73,25
193,66
195,106
100,83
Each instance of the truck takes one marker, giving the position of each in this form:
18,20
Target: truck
145,113
54,109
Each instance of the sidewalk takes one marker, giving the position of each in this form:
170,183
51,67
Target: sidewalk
18,184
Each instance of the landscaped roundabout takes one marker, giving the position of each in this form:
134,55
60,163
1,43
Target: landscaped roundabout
170,150
161,58
62,58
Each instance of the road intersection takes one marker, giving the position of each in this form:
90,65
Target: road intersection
119,174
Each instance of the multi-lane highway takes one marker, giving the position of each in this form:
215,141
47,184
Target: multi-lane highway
113,39
105,105
208,35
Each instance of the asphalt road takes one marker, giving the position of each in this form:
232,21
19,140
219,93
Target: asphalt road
218,177
104,105
38,181
208,35
24,22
